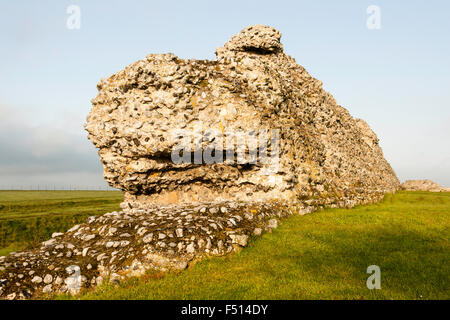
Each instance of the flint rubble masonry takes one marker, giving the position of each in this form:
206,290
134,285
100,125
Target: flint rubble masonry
173,214
251,86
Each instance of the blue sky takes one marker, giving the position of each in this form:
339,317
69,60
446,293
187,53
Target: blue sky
396,78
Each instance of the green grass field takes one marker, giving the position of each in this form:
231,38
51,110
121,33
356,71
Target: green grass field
29,217
323,255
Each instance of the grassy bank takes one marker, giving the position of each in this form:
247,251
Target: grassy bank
29,217
323,255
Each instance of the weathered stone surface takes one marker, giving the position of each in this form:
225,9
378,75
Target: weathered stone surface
423,185
253,85
47,269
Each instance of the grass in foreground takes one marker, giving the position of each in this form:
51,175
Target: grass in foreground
323,255
30,217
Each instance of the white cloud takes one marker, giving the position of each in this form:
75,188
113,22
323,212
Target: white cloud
43,154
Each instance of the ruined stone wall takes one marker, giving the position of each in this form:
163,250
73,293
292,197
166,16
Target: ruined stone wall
251,86
423,185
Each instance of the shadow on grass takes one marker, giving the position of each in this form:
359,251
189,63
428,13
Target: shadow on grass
324,255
